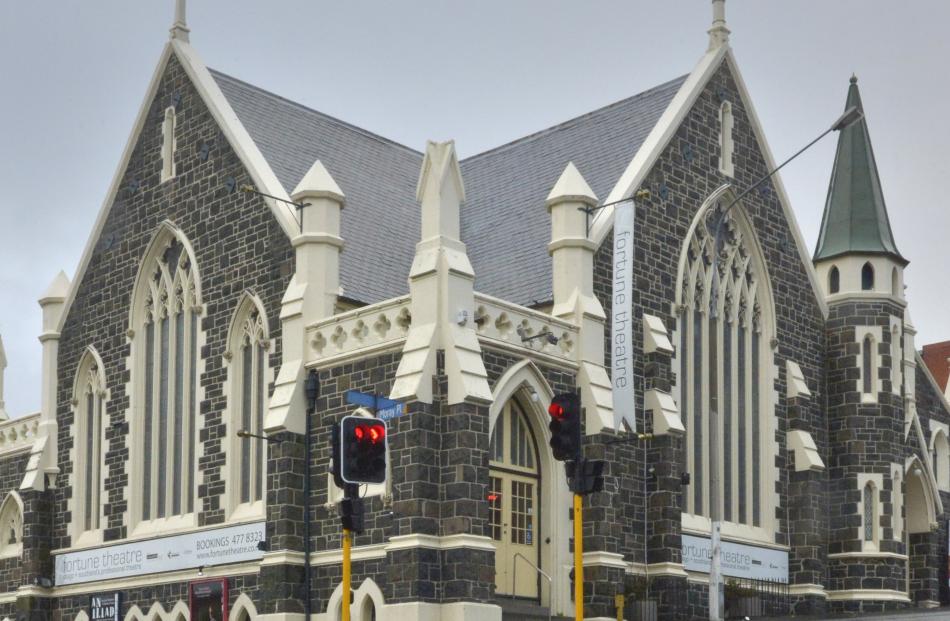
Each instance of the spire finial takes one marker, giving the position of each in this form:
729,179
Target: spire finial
854,78
719,33
179,29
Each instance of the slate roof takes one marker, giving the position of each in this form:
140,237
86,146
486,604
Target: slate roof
855,217
505,224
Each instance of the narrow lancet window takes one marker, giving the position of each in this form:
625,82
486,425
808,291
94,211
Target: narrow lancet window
726,144
867,277
168,144
867,365
834,280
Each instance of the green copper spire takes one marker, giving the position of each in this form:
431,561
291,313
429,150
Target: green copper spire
855,218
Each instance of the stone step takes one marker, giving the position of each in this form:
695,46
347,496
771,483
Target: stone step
526,610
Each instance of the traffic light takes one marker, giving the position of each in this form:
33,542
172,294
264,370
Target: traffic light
565,426
590,479
351,514
362,450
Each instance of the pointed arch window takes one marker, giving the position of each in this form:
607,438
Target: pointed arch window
895,283
867,365
867,277
169,123
869,502
834,280
11,526
167,333
249,376
726,144
941,459
723,364
89,399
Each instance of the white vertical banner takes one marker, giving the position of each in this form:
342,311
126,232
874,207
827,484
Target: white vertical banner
621,328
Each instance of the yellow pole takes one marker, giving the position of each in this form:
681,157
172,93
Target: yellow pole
578,558
619,603
346,574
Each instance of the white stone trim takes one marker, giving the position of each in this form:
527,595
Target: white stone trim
605,559
655,335
525,378
877,485
663,132
134,465
726,142
869,554
243,604
740,533
806,454
11,502
797,387
897,501
368,591
868,594
76,503
807,589
451,542
232,390
876,334
335,557
666,414
941,466
897,354
282,557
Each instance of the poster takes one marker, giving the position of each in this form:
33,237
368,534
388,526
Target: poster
151,556
105,606
737,560
621,320
208,600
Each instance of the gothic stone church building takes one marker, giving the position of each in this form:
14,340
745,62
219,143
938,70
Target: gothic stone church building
199,308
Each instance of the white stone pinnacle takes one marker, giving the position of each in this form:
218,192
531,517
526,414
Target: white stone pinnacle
318,183
58,289
719,33
572,186
179,29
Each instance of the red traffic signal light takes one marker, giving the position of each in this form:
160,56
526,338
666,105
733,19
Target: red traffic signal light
362,450
565,426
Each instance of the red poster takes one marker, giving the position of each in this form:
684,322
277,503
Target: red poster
208,600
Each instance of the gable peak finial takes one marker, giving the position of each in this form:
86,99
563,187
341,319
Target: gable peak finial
179,29
719,33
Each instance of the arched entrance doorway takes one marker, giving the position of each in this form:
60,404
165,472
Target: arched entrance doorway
513,503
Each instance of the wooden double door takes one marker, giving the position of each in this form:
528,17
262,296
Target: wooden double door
513,501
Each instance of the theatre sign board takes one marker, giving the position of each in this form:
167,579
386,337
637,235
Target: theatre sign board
151,556
737,560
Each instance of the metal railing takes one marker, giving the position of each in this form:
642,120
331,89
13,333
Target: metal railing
514,576
749,598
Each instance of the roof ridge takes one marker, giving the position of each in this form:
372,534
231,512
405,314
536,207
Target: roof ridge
360,130
575,119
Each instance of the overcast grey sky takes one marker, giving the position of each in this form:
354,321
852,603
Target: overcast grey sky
75,71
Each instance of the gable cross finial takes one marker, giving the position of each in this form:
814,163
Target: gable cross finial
179,29
719,33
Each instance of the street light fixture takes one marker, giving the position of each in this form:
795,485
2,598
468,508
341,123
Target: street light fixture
851,116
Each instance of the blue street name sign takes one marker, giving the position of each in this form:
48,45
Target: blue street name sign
386,409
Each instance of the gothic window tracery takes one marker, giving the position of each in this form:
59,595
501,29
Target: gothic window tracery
723,344
249,377
89,403
11,526
169,359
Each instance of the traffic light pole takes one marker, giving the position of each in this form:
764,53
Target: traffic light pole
579,526
578,557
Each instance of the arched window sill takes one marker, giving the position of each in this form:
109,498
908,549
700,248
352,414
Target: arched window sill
247,511
164,526
740,533
88,538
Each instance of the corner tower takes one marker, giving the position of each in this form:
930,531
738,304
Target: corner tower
861,275
856,253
